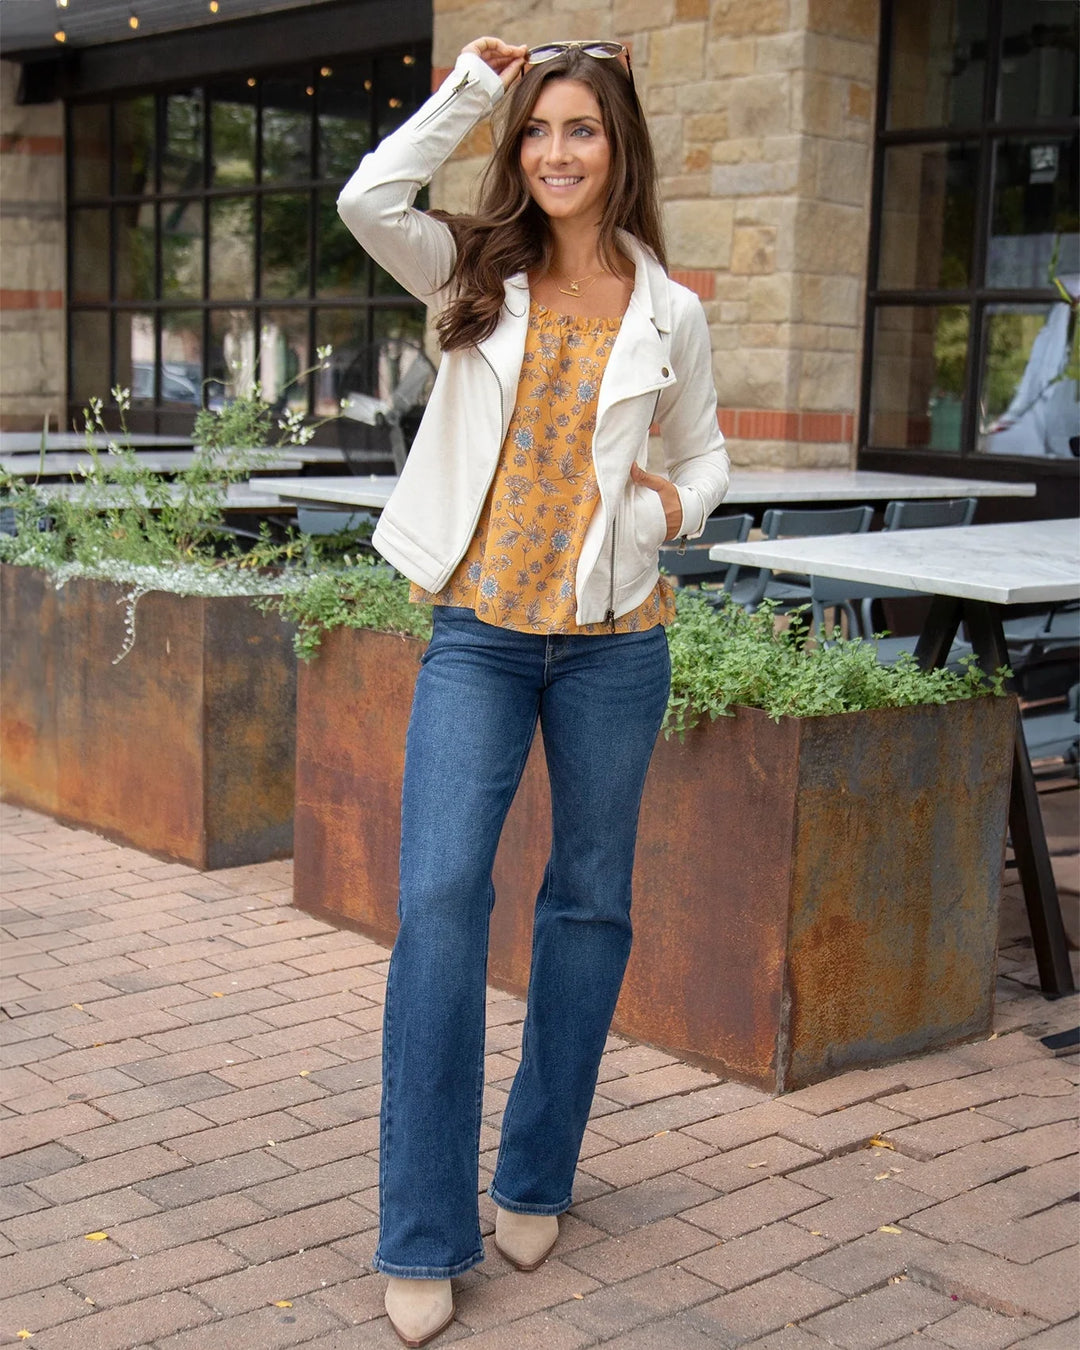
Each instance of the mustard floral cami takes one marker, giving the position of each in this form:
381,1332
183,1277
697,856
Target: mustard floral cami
519,569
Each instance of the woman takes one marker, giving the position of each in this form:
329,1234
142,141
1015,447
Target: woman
525,517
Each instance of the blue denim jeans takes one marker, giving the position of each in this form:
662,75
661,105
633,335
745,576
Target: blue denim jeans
481,690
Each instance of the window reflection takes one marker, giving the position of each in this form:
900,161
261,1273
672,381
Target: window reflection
182,158
1036,187
181,358
89,149
938,63
90,254
135,136
1028,402
283,355
232,248
231,359
345,107
1039,44
342,265
182,250
232,133
89,351
134,229
918,380
285,252
135,357
928,216
287,111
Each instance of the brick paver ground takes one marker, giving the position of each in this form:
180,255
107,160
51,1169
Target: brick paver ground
189,1148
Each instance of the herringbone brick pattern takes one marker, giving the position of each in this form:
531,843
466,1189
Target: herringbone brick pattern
189,1151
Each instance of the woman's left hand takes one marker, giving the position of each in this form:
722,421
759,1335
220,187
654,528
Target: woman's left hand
669,497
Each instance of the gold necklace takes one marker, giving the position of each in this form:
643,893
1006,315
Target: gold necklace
575,286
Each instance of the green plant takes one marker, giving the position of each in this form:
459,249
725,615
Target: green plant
360,593
725,657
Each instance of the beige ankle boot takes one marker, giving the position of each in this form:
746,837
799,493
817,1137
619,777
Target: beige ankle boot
525,1240
419,1309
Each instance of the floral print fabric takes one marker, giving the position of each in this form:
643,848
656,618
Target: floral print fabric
519,569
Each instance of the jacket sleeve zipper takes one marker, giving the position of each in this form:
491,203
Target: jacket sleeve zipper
461,84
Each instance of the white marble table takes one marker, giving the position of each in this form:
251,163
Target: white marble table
371,490
29,442
779,487
764,487
1023,562
65,464
971,571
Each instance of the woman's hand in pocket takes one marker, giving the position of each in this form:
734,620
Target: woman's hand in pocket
668,494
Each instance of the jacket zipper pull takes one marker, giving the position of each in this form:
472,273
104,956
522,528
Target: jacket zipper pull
609,619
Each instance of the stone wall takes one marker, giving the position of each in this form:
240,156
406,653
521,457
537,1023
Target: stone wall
32,374
762,116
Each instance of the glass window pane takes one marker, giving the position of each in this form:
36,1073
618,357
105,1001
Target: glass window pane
938,63
231,364
133,233
1039,72
89,355
283,355
344,118
342,265
182,250
372,350
182,364
232,133
399,91
287,110
232,248
928,216
1036,196
89,154
182,158
89,246
919,364
1028,400
135,356
285,248
135,134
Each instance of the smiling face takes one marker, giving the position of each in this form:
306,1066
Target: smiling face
565,152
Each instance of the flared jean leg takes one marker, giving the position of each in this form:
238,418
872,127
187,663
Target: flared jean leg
473,718
600,715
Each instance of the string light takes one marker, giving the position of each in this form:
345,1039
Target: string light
395,103
367,86
61,4
310,90
408,60
133,20
214,6
251,83
60,35
324,71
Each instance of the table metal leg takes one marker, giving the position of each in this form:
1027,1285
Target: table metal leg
936,638
1026,822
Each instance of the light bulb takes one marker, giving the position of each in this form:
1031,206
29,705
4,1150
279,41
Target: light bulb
214,6
251,82
60,35
408,60
324,71
133,20
61,4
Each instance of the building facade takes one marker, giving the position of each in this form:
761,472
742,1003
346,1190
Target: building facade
877,201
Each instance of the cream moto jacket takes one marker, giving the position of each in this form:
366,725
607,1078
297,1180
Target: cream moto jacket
659,370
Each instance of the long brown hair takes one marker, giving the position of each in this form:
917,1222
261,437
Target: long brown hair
509,233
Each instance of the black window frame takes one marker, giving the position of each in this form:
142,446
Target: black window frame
1057,478
369,299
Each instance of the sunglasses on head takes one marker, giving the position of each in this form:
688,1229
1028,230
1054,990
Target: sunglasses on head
599,50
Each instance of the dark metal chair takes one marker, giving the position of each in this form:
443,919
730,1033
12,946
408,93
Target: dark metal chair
790,590
692,565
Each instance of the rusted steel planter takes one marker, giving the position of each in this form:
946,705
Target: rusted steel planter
185,749
809,897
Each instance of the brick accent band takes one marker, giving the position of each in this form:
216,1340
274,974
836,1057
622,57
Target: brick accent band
31,299
769,424
14,144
